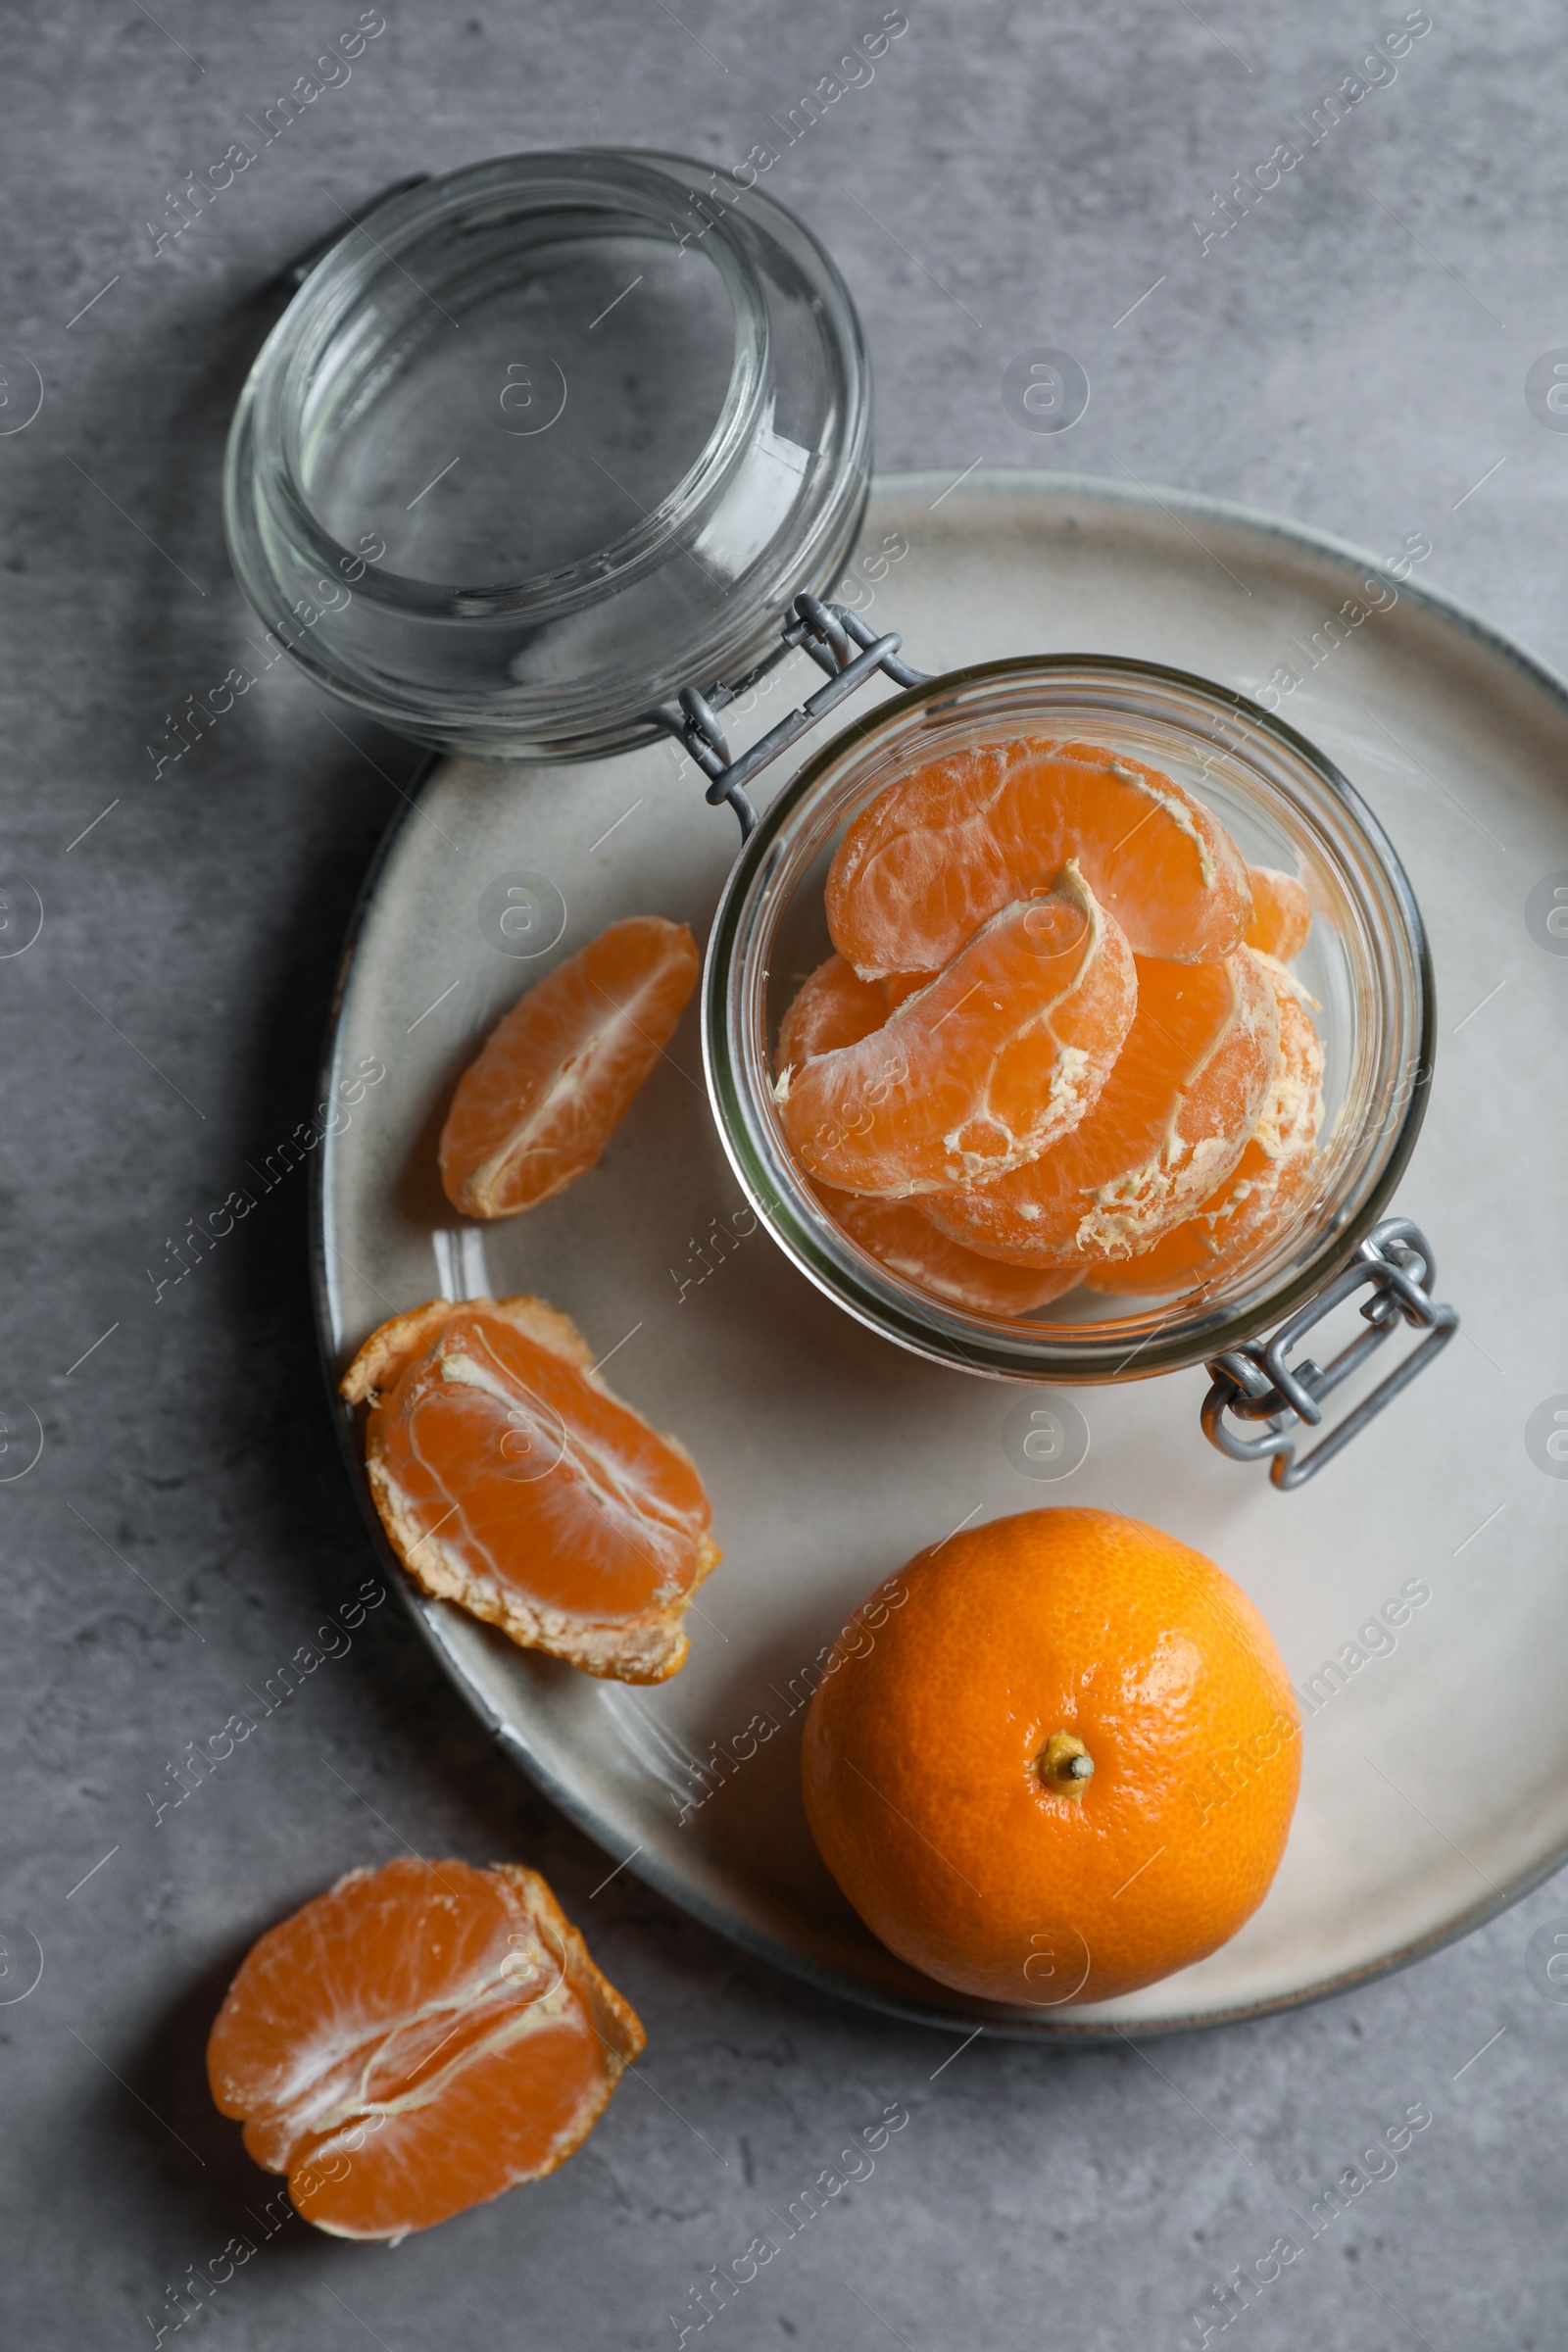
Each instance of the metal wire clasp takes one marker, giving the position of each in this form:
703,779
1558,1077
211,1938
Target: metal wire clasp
1256,1382
838,642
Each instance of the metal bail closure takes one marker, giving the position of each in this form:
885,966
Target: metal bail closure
1256,1382
838,642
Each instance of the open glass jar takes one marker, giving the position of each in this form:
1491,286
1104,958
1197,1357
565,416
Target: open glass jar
559,453
544,439
1366,967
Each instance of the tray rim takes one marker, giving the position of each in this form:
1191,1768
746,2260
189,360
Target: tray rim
429,1614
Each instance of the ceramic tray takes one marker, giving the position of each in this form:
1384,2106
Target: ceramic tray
1435,1784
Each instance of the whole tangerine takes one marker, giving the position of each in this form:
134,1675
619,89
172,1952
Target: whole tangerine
1063,1766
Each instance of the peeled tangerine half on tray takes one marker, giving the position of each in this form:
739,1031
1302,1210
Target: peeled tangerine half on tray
988,1065
938,851
1171,1125
511,1480
417,2040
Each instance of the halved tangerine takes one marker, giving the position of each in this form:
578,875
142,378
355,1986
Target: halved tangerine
941,849
1267,1183
1171,1125
1003,1054
513,1482
910,1246
417,2040
1282,913
556,1077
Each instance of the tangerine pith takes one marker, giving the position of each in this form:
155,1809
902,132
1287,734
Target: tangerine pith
1066,1766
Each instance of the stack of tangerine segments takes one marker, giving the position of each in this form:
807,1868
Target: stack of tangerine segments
1058,1042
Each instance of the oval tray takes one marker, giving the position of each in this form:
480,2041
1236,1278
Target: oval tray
1435,1786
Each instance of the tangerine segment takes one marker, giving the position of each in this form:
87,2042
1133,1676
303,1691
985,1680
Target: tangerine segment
936,852
1252,1208
904,1239
417,2040
511,1481
1171,1124
556,1077
831,1008
1282,913
1005,1052
1065,1765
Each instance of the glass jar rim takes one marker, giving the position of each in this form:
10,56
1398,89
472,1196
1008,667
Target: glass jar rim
914,1320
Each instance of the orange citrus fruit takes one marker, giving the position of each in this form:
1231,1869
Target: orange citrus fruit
1168,1127
1064,1766
1270,1180
1282,913
417,2040
511,1481
1006,1050
910,1246
941,849
832,1007
556,1076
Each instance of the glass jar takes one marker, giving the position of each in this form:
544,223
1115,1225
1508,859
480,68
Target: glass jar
544,441
1366,966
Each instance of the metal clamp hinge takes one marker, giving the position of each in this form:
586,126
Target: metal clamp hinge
1256,1382
838,642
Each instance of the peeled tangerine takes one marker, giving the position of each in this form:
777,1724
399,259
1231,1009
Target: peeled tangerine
1170,1127
513,1482
556,1076
1268,1181
1282,913
417,2040
992,1064
908,1244
941,849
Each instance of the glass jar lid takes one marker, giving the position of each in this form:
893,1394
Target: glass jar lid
541,441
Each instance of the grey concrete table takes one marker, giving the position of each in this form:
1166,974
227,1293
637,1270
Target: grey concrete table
1352,350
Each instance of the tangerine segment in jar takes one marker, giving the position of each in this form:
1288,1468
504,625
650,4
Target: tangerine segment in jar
511,1481
941,849
833,1006
908,1244
1266,1187
556,1076
417,2040
1282,913
1171,1125
1066,1766
1004,1053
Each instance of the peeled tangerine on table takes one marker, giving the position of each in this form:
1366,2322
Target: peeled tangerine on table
939,851
994,1062
1266,1184
1171,1125
417,2040
511,1481
556,1076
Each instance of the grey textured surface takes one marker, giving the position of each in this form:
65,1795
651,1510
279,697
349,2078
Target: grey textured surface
1354,353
